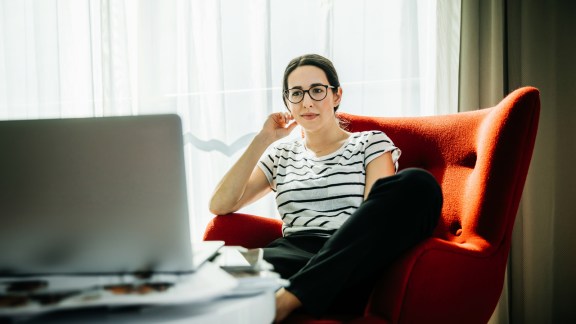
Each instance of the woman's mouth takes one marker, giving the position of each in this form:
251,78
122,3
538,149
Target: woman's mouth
309,116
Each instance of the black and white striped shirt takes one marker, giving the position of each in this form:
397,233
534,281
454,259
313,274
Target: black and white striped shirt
320,193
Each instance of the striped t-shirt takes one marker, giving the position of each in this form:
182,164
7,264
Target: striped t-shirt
320,193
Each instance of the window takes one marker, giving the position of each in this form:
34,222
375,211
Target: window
219,65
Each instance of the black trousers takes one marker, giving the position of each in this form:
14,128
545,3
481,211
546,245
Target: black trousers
400,211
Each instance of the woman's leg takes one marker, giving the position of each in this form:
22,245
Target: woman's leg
400,211
290,254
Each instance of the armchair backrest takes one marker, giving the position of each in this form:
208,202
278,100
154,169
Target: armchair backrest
480,159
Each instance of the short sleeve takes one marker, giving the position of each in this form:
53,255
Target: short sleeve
269,164
379,143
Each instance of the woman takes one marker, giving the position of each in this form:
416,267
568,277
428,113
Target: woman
347,213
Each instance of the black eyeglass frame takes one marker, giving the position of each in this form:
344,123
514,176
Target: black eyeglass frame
326,87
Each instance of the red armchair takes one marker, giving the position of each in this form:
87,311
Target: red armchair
481,160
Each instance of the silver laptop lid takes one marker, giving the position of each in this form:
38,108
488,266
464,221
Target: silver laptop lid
93,196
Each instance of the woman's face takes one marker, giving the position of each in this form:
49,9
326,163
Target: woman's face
311,114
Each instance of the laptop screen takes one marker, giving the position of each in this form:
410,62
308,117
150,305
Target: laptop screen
93,196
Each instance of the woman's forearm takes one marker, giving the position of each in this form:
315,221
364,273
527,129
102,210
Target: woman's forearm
230,193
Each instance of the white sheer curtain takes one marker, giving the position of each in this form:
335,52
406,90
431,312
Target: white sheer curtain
219,65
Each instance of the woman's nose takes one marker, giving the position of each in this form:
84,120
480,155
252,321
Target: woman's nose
307,100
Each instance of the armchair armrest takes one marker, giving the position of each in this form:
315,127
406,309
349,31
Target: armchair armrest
246,230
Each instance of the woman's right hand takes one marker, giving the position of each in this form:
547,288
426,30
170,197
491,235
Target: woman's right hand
278,125
245,182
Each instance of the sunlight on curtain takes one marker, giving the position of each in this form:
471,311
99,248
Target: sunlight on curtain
219,65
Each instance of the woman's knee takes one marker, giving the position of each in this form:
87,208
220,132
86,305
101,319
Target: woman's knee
409,182
425,191
415,190
423,186
421,179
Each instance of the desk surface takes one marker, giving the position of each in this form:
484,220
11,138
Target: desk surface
199,299
253,309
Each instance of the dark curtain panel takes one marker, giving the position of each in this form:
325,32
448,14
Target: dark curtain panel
505,45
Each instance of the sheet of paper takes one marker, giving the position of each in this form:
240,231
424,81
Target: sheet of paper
73,292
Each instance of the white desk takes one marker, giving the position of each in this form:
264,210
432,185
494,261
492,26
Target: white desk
252,309
198,301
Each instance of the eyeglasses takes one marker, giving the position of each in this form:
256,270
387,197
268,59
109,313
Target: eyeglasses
317,93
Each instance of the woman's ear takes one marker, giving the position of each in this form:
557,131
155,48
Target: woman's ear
337,97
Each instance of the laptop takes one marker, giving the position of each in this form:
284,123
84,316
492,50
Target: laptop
95,197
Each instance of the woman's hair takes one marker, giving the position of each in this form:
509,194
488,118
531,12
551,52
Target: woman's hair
315,60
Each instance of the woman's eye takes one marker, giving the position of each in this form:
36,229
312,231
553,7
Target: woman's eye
297,93
318,90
